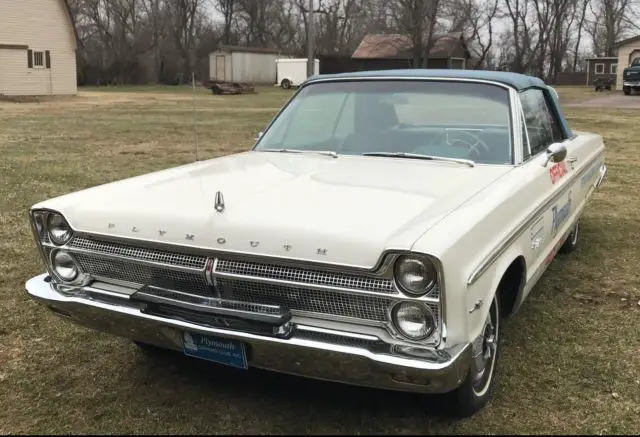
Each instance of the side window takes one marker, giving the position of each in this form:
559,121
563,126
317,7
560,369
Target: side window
542,126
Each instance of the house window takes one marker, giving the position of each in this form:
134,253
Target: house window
39,59
614,68
599,68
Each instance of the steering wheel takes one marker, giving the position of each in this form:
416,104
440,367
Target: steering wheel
472,147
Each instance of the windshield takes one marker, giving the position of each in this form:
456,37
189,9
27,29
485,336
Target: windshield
636,62
462,120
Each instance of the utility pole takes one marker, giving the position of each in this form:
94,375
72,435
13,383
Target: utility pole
310,41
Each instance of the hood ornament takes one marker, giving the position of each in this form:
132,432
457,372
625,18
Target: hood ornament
219,202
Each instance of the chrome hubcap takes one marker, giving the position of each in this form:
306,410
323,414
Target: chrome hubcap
574,235
485,353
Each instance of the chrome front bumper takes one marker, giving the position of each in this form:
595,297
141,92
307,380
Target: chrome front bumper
310,352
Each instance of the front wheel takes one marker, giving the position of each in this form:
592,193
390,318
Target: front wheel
476,390
626,90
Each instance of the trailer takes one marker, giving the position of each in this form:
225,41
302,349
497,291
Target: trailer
292,72
219,87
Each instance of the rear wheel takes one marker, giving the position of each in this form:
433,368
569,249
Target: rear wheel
285,84
572,240
476,390
626,90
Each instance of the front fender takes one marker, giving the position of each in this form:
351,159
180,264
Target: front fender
480,294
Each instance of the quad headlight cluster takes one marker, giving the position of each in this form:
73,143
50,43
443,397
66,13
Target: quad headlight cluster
53,231
415,275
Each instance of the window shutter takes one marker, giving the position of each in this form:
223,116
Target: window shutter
30,58
47,56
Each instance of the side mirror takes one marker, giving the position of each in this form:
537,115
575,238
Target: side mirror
556,152
259,136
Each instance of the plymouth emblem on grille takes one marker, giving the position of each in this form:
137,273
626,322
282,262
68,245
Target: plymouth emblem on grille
219,203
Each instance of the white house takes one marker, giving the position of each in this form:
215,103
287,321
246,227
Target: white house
37,48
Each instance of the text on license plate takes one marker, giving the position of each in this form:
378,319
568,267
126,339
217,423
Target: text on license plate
220,350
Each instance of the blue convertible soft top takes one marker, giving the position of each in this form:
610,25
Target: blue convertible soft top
519,82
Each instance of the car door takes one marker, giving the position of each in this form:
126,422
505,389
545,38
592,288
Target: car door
556,193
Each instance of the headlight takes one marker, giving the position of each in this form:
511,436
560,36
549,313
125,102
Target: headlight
38,220
414,320
64,265
416,275
59,229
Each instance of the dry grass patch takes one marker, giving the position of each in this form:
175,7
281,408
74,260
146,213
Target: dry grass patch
570,361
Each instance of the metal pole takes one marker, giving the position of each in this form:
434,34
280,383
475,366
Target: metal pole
310,41
195,123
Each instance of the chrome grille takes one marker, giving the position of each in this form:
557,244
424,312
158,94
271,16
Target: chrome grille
182,272
125,250
303,299
124,270
304,276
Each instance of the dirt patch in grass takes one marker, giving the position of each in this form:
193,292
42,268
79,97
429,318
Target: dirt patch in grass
569,364
608,100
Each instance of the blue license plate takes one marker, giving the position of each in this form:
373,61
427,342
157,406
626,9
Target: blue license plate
219,350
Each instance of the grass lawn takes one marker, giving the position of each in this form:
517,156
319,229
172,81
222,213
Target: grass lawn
570,361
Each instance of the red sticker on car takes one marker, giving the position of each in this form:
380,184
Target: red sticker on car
558,171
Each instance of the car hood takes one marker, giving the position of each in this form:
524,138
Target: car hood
344,210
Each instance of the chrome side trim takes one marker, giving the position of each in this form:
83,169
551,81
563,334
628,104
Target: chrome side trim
528,221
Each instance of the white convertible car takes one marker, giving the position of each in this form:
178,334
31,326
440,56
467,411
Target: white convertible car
376,234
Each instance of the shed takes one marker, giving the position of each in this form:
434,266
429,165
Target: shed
628,50
605,67
37,48
244,64
396,51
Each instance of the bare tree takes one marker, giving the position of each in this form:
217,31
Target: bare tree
227,8
610,21
417,19
476,20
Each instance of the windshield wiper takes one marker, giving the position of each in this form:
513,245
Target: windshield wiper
319,152
468,162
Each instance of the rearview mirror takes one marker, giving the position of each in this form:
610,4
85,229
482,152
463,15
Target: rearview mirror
556,152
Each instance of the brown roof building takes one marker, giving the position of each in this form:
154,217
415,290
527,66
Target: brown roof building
447,50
